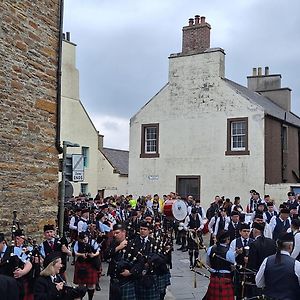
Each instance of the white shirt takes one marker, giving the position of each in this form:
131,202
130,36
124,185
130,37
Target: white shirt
72,222
296,249
273,222
260,278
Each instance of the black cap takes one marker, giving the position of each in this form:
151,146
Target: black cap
286,237
259,216
295,223
234,213
259,226
19,232
119,226
222,236
291,194
52,256
244,226
270,203
194,210
48,227
2,238
145,225
81,235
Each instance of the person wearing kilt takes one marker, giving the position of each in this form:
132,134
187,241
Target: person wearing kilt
121,266
86,273
219,259
144,247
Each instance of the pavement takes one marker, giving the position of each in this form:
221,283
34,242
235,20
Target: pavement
182,280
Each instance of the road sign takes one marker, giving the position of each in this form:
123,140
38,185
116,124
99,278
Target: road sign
78,169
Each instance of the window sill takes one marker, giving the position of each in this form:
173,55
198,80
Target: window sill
230,152
149,155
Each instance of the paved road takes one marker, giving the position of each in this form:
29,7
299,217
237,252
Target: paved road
182,281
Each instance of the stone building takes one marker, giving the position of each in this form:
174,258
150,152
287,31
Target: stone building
205,135
29,135
105,170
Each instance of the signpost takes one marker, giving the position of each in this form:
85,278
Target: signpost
78,169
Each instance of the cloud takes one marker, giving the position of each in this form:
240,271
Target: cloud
123,46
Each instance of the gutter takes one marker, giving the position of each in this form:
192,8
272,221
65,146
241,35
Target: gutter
58,76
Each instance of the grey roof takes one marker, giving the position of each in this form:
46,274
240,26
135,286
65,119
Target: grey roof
119,159
269,106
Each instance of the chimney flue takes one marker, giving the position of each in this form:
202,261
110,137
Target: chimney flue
202,19
259,71
68,34
191,22
267,71
254,72
197,19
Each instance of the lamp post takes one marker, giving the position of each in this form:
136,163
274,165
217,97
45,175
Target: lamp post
66,144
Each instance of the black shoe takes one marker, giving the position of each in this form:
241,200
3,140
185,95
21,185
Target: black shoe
72,263
184,250
181,248
98,288
191,267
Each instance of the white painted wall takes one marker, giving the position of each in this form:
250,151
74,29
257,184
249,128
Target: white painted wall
192,112
76,125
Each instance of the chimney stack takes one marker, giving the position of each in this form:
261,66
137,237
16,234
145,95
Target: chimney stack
196,36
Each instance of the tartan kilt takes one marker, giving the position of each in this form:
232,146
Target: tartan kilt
28,294
163,281
84,273
122,291
220,288
150,293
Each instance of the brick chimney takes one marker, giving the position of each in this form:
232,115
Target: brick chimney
196,36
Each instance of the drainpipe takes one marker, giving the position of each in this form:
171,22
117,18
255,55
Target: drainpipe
58,91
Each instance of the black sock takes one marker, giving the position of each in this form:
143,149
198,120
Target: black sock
91,294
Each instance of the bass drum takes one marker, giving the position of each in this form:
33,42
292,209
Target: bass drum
175,209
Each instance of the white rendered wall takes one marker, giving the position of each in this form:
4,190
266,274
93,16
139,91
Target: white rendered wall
76,125
192,112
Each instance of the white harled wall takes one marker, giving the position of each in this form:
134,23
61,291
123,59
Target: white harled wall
192,112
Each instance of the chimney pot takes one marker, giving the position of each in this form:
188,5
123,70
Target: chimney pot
259,71
68,36
254,72
267,71
197,19
191,22
202,19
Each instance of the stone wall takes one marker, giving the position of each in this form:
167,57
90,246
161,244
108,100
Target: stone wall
29,47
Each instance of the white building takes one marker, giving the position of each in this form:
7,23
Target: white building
77,127
204,135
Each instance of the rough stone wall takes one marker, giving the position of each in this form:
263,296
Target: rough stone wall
29,44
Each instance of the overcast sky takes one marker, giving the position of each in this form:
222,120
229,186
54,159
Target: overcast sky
123,48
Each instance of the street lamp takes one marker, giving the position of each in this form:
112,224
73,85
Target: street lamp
66,144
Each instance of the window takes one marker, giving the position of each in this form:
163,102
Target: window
237,136
149,140
84,188
85,153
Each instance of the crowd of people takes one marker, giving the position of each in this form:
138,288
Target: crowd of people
251,253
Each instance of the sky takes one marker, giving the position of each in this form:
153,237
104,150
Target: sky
123,48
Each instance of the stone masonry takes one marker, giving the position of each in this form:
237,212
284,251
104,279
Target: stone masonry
29,47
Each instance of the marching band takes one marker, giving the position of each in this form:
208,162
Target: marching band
248,250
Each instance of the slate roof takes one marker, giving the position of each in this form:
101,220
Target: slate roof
269,106
119,159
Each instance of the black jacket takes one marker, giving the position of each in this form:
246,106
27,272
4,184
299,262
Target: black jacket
261,248
8,288
45,289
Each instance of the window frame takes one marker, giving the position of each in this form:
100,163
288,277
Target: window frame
85,150
145,154
229,150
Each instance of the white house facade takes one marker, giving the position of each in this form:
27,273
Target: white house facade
200,135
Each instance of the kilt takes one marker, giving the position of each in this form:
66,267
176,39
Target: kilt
28,294
147,293
220,287
163,281
84,273
122,291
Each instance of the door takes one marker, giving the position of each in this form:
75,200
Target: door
188,186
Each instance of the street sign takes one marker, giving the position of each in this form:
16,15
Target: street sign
78,169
